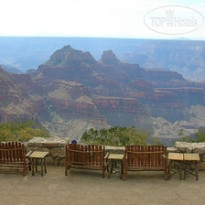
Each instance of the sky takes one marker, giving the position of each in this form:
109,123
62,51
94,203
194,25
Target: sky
107,18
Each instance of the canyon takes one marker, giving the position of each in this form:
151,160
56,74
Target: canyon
72,92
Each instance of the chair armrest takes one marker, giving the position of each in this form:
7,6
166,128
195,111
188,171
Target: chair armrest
107,155
28,153
125,157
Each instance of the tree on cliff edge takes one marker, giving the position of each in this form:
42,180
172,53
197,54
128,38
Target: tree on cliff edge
115,136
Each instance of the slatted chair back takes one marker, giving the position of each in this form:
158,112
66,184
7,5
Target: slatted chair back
151,156
145,158
89,155
12,154
85,156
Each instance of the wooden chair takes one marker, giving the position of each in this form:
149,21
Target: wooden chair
85,156
140,158
12,157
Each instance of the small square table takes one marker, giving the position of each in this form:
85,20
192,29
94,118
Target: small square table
113,160
175,158
191,164
35,156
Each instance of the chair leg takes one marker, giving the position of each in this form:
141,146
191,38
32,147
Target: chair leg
24,170
66,170
103,172
169,170
166,174
124,176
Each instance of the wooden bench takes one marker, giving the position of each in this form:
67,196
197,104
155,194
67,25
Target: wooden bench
85,156
140,158
12,157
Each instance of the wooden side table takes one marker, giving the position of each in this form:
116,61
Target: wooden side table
113,161
191,164
35,156
173,159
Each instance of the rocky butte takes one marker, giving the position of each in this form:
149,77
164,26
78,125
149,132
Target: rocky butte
73,92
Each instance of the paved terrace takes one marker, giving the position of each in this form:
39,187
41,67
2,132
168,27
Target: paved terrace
88,187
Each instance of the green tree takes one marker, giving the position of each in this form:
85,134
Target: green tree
116,136
156,141
187,139
200,135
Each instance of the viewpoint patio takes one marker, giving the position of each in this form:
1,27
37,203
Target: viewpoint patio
86,187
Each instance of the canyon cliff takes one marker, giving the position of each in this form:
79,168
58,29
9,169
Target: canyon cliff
73,92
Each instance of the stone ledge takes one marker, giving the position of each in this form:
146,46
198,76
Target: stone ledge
190,147
56,148
47,142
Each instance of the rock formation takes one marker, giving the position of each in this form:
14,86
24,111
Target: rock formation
72,92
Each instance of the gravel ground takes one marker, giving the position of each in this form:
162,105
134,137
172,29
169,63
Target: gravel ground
88,187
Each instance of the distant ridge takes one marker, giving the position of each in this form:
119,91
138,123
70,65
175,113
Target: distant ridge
11,69
181,55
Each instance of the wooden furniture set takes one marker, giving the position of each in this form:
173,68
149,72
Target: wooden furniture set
13,158
135,158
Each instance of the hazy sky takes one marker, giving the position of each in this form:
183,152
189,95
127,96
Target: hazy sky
105,18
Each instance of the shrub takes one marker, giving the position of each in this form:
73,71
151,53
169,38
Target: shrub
21,131
199,137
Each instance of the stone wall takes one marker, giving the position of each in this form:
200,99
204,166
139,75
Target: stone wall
55,146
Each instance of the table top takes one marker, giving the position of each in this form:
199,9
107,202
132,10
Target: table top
191,157
176,156
116,156
184,156
38,154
